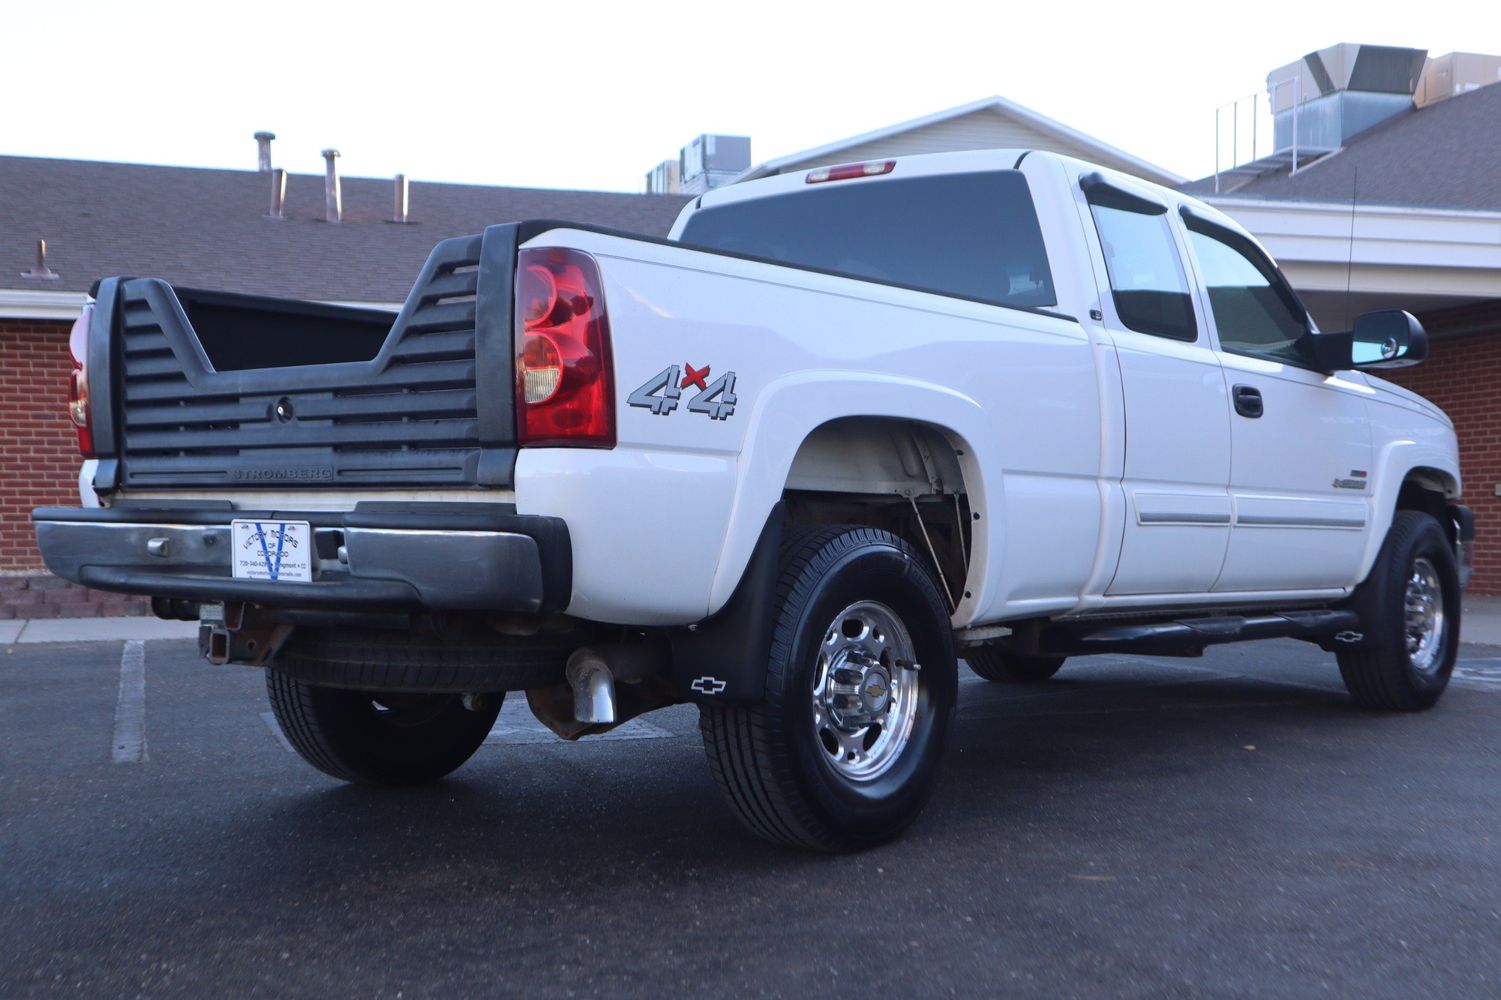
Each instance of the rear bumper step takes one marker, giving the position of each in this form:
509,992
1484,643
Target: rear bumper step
441,557
1190,636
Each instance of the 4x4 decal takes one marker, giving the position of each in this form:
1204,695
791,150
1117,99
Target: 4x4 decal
661,392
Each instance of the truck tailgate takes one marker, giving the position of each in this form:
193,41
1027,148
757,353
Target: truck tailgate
433,406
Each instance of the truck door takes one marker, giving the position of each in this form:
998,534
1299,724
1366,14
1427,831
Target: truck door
1177,462
1301,453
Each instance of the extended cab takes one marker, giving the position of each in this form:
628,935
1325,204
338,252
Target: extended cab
840,429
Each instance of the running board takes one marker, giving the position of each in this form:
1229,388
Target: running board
1189,636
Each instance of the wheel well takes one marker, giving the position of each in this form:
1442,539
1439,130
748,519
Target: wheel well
899,475
1428,490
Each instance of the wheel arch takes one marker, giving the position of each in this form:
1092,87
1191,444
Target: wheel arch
821,432
1410,477
902,475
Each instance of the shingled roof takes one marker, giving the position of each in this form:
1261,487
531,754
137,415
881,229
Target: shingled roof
211,228
1442,156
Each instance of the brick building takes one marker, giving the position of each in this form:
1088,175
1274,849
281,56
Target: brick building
203,229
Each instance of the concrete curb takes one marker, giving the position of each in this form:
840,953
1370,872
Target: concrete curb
92,630
1481,621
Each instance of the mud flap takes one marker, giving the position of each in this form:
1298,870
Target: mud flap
722,659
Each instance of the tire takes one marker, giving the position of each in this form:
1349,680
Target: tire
1409,609
406,661
845,749
379,738
1011,668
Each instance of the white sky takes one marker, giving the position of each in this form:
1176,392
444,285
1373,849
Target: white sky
579,94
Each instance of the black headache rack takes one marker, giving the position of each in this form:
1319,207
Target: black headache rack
427,402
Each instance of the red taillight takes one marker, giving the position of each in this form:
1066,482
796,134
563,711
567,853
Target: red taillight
849,171
564,391
78,382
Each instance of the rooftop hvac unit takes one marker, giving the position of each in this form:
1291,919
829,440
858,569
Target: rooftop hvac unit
711,160
1456,73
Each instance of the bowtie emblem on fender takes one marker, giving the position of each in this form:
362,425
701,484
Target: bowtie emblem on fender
661,392
708,685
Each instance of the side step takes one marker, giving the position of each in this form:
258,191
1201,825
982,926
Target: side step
1189,636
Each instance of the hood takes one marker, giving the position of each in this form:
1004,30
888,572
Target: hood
1390,392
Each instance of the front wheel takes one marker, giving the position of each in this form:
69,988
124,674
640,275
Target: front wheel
845,749
380,737
1409,607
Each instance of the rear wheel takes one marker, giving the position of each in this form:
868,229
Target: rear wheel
860,688
1011,668
380,737
1409,608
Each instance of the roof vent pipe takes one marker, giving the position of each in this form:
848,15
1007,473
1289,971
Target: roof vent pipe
40,271
399,206
333,204
278,193
263,150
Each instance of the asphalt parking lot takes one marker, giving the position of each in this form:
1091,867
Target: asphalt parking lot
1227,826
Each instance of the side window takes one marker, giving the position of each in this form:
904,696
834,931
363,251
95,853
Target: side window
1255,312
1146,277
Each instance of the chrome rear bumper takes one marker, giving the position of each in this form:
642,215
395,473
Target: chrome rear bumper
448,557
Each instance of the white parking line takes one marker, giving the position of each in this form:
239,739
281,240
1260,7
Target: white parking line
1479,673
276,731
130,711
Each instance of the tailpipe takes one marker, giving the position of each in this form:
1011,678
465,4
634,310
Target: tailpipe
593,687
594,671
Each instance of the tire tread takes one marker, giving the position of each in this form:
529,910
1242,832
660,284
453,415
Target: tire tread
1378,677
747,747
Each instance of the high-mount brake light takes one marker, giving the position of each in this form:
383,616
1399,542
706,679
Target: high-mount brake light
849,171
78,383
564,386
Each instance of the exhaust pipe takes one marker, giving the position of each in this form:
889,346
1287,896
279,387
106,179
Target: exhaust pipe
593,687
593,672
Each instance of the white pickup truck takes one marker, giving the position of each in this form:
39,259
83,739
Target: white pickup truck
840,429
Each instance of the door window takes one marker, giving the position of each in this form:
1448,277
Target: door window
1146,277
1254,311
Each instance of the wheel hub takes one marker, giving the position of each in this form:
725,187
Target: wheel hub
1424,616
865,691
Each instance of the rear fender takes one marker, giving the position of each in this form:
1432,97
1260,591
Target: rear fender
792,408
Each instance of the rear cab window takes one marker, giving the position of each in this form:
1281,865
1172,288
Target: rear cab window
970,235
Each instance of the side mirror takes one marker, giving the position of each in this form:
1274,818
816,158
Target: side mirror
1390,338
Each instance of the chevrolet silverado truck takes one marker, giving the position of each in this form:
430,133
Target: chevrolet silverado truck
840,429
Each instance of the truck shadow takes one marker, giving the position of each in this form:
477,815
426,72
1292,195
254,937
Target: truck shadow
637,814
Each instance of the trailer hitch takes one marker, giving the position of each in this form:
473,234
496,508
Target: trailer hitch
235,632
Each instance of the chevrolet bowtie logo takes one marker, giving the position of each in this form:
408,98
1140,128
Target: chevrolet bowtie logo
708,685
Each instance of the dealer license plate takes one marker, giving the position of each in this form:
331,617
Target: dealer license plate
273,550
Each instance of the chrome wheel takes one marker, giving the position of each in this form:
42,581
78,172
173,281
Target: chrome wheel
1424,616
865,691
